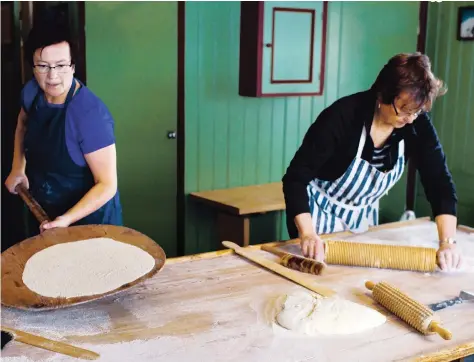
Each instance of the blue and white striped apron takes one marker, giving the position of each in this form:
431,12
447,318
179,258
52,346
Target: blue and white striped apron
352,201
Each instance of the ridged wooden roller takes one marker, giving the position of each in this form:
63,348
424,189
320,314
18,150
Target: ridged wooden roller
412,312
296,262
380,256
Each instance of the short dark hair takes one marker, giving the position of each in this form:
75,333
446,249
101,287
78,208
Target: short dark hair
51,27
409,72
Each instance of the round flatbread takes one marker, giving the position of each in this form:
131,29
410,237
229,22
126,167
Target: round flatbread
85,267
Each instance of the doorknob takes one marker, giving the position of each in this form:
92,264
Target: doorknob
171,134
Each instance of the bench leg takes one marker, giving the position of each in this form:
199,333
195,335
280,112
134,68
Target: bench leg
233,228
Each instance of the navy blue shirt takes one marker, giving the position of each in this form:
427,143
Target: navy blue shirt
89,124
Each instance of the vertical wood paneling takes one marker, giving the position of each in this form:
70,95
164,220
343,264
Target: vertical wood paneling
453,115
237,141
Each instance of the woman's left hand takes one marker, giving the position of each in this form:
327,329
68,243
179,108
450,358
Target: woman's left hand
449,257
59,222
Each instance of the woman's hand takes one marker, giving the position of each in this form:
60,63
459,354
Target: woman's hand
449,257
312,246
60,222
14,179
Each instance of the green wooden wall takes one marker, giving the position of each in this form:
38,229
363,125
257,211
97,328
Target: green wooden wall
453,114
237,141
131,58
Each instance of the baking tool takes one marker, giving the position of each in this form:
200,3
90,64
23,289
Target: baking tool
296,262
464,296
415,314
380,256
14,291
279,269
49,344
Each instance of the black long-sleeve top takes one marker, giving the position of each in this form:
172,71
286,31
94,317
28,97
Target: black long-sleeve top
331,143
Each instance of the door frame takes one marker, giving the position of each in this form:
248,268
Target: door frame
180,194
420,47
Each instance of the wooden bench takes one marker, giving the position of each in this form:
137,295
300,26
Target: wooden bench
236,205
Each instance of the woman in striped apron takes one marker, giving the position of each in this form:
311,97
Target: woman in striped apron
356,152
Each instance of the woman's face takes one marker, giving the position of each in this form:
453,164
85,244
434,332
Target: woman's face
53,70
402,111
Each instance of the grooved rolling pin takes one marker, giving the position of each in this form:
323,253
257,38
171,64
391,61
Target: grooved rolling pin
412,312
296,262
380,256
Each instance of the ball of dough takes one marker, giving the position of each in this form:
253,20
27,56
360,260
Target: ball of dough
305,313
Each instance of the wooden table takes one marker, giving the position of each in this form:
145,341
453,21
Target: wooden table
216,307
235,206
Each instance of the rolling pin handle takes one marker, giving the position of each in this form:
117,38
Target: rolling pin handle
32,204
444,333
369,285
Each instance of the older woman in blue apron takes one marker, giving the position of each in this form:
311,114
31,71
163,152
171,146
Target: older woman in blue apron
64,142
356,152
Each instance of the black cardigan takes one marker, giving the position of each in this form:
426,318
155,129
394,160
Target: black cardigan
331,143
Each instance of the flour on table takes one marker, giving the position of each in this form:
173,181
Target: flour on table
305,313
85,267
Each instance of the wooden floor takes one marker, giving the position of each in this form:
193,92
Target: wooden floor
218,307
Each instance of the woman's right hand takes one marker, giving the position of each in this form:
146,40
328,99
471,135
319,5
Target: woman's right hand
312,246
14,179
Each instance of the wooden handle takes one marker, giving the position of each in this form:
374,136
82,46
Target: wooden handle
296,262
32,204
277,268
51,345
444,333
370,285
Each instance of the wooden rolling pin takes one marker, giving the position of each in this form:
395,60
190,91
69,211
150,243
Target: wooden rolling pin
380,256
296,262
415,314
32,204
50,345
279,269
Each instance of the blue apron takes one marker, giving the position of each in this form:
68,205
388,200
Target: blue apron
56,181
352,201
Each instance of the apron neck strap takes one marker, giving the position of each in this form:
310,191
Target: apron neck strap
71,91
362,140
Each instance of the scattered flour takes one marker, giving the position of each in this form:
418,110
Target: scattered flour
59,323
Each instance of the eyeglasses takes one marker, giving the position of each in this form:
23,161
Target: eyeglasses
405,114
61,68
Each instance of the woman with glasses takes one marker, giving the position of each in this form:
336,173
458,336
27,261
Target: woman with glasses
64,142
356,152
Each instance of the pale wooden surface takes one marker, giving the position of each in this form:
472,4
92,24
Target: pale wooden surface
215,307
246,199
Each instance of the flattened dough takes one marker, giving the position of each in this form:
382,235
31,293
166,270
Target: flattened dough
85,267
303,312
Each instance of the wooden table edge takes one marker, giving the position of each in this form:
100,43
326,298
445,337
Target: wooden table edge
448,354
220,207
235,210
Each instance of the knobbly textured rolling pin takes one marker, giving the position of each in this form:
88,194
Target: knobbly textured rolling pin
415,314
296,262
380,256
